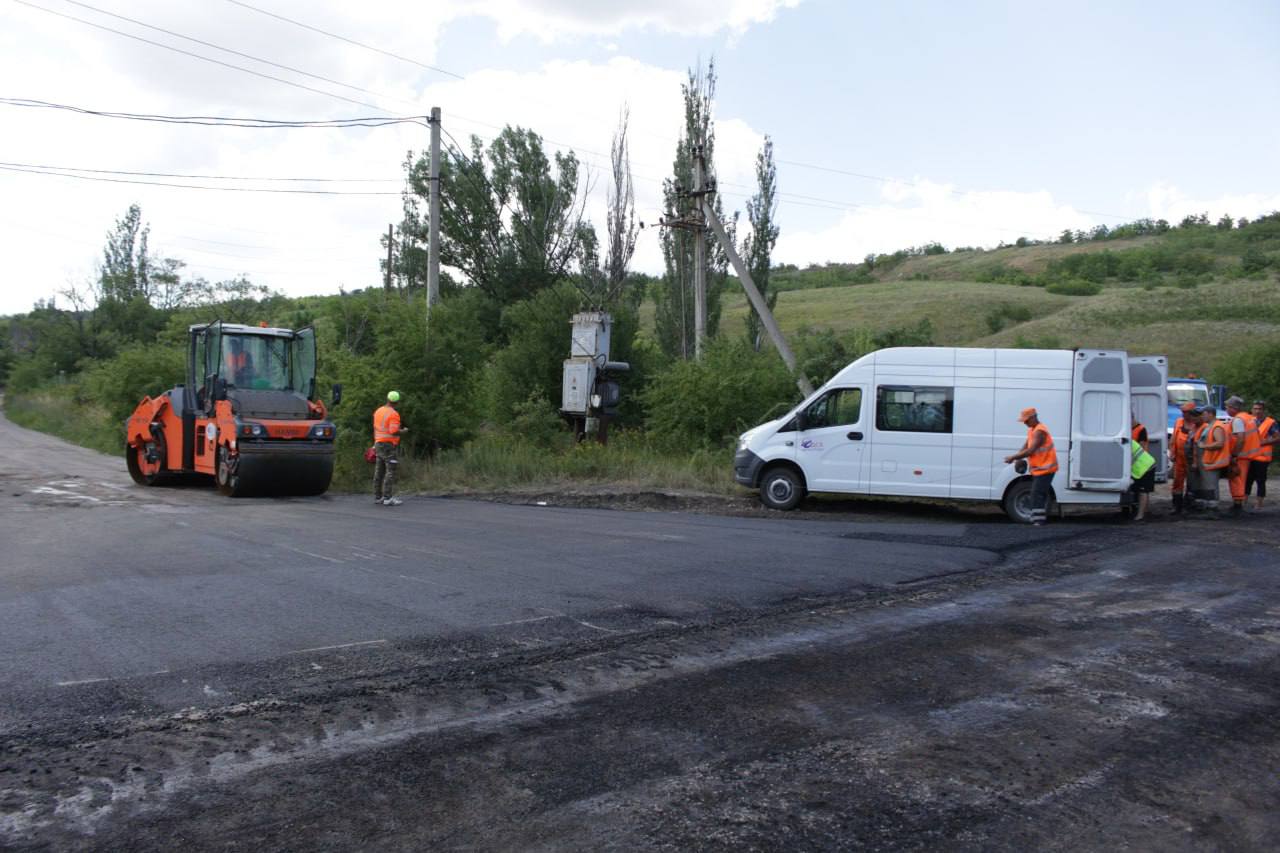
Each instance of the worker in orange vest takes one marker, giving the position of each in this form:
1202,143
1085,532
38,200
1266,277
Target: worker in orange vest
1213,451
1139,433
386,445
1268,437
1179,444
238,364
1042,461
1244,449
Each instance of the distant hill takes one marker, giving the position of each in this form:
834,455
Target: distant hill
1195,292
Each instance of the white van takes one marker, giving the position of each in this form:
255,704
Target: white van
938,422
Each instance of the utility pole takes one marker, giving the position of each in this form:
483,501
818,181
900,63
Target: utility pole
757,301
699,261
433,212
386,279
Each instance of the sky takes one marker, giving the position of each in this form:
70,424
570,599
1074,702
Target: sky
894,124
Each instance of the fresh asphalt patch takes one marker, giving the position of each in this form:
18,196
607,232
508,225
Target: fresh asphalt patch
186,672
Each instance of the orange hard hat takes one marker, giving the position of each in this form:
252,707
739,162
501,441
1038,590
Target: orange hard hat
1027,414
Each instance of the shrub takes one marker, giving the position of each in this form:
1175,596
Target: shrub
919,335
119,384
997,317
1075,287
707,403
1253,373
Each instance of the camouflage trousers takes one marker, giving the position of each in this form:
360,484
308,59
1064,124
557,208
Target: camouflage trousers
384,469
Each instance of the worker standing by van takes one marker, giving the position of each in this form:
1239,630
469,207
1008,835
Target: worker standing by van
1268,438
1213,452
1178,442
1244,449
386,445
1042,462
1139,433
1142,470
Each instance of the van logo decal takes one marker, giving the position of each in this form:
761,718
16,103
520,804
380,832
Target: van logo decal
810,444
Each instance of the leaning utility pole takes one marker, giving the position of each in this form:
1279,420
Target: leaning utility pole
757,301
433,212
699,262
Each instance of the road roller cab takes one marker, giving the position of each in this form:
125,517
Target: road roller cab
247,415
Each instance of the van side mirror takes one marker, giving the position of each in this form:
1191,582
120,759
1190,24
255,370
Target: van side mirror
337,393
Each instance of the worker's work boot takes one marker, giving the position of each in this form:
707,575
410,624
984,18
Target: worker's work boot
392,502
1177,504
1237,509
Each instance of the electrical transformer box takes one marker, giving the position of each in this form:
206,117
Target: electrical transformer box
591,335
577,385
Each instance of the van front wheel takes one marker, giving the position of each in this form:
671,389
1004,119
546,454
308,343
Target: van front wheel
781,488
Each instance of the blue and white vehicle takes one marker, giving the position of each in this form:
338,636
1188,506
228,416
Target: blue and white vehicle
1193,390
937,422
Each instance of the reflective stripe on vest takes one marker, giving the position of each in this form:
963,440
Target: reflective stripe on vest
1264,429
1252,443
1142,460
1214,460
386,421
1045,459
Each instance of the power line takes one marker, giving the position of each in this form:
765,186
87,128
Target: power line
222,121
347,40
202,177
68,174
229,50
200,57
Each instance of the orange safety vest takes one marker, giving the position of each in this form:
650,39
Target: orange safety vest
1179,442
1264,428
1045,460
386,425
1214,460
1252,444
1138,430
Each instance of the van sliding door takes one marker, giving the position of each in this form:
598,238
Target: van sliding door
1099,459
1148,381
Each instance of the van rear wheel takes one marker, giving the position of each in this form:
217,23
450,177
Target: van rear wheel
781,488
1017,502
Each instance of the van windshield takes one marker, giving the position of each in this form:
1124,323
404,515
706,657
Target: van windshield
1180,394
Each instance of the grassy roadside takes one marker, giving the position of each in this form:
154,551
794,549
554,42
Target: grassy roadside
492,462
497,462
59,413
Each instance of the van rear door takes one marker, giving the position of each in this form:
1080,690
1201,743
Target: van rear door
1099,458
1148,381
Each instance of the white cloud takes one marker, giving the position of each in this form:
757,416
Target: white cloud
920,211
1165,201
550,19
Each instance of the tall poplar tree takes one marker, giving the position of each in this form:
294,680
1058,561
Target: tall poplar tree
674,317
757,248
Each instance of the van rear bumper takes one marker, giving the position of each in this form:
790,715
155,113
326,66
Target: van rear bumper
746,468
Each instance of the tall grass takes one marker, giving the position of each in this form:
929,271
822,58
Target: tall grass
497,462
58,412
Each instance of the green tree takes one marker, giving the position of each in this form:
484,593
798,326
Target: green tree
757,248
674,316
509,222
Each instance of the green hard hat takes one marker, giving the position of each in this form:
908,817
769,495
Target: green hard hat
393,396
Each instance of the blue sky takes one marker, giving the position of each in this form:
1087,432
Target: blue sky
989,119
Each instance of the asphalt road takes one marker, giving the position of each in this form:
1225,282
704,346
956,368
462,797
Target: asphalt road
323,673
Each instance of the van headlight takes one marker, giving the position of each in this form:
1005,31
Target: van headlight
742,441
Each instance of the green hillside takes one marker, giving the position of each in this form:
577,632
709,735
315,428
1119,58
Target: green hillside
1196,293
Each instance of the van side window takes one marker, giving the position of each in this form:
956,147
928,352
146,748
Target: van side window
838,407
910,408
